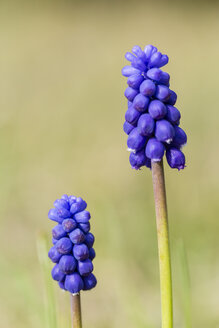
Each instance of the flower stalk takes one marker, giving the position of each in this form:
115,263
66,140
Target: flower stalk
163,244
76,310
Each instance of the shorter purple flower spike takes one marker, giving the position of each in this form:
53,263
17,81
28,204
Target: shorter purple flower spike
73,251
151,121
175,158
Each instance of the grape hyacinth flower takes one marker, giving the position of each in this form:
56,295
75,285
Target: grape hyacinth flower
151,112
72,251
152,125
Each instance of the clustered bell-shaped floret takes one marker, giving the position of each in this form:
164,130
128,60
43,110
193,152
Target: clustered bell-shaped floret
151,120
72,250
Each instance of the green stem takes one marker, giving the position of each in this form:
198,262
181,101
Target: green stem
163,244
76,310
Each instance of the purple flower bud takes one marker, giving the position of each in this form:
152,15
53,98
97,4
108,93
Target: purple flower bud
162,93
154,74
64,245
164,60
139,64
57,274
92,254
61,203
82,217
85,267
134,81
141,102
129,56
137,160
139,53
148,88
148,162
148,50
74,283
157,109
89,240
67,264
89,282
62,284
180,138
129,70
146,125
155,59
85,227
130,93
173,98
58,214
175,158
54,241
58,232
165,79
155,150
54,255
164,131
72,200
65,197
132,115
69,225
127,127
136,141
77,236
173,114
78,206
81,252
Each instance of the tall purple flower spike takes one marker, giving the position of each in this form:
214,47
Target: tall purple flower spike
73,251
151,120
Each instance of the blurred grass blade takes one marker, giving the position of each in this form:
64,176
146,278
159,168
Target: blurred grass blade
185,284
49,296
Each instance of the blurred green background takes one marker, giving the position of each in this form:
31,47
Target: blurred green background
62,110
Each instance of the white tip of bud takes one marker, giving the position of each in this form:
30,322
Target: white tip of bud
131,150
